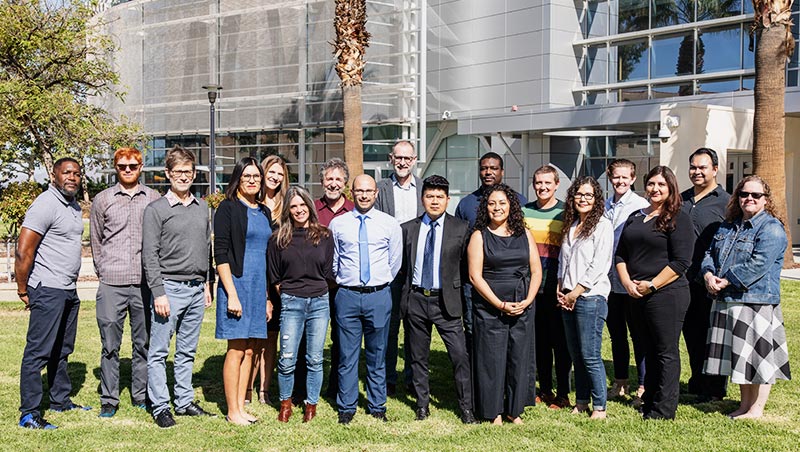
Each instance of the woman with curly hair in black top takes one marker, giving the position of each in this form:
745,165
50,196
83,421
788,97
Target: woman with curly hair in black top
654,252
505,272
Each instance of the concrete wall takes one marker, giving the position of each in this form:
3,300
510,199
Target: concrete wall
727,129
483,57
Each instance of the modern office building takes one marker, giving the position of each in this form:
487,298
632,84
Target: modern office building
571,83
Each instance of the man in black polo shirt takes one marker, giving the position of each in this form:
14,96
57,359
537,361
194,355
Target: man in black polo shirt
705,203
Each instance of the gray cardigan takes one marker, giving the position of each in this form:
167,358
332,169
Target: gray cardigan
385,201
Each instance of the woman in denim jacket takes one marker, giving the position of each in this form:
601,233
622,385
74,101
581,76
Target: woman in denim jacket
742,270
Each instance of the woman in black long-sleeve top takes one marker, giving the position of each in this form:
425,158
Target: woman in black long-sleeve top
654,251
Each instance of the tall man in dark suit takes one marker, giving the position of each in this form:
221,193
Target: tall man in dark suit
434,256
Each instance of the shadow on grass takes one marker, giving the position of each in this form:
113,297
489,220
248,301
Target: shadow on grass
77,376
125,375
209,378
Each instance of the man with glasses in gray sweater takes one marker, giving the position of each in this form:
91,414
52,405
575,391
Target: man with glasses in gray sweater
176,253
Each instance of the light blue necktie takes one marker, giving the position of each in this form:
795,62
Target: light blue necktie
363,250
427,258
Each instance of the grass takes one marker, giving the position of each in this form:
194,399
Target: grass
702,427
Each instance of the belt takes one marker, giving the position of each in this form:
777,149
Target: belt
191,283
366,289
426,292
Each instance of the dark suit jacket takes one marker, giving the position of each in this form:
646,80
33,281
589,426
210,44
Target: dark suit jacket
385,201
452,264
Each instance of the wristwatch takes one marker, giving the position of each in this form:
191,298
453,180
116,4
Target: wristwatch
652,287
22,294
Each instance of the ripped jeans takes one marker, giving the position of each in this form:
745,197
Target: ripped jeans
300,314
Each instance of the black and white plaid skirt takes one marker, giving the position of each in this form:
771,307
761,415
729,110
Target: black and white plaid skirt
748,343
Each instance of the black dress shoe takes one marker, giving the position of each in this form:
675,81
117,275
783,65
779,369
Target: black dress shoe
192,409
468,417
380,415
164,419
345,418
422,413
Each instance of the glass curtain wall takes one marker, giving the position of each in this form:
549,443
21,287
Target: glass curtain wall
649,49
274,59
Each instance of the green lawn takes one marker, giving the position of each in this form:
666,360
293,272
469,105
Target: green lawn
701,427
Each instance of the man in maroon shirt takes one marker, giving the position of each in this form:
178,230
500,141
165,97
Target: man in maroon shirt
333,176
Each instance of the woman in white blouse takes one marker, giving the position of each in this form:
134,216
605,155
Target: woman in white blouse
587,243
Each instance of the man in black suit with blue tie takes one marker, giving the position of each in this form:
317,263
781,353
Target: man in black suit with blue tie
434,261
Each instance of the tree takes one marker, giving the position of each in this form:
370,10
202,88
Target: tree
772,27
352,39
53,58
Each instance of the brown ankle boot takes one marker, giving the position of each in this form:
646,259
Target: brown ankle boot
286,410
311,411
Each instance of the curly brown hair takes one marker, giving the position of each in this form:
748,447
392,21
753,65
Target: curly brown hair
515,222
672,206
571,214
734,210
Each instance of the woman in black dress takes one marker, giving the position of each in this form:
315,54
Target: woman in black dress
654,251
505,270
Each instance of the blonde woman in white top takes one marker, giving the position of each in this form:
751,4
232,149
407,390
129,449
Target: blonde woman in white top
587,245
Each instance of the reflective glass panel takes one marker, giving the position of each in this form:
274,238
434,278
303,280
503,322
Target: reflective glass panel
662,91
673,55
716,9
632,15
596,65
672,12
718,49
630,94
718,86
632,61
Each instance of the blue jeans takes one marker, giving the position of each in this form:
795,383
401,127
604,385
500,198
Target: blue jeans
299,314
186,310
362,315
584,330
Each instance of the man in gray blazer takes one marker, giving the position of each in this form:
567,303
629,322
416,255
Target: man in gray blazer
399,196
434,258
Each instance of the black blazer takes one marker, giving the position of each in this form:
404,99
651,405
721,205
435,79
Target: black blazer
452,264
230,232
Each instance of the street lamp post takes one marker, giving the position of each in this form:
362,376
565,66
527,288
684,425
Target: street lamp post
213,90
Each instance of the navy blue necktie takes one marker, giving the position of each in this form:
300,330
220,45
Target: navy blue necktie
427,258
363,250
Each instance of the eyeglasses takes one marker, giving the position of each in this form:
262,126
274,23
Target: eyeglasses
129,166
181,173
402,158
251,177
363,192
586,196
745,194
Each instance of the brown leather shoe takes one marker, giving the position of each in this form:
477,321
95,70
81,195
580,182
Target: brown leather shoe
286,410
310,412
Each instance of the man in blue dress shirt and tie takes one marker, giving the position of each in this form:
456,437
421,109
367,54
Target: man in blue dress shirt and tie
368,247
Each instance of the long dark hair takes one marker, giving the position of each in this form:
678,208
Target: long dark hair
672,206
734,210
571,214
316,231
515,222
232,192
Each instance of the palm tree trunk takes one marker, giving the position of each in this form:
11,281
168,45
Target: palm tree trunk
768,123
353,134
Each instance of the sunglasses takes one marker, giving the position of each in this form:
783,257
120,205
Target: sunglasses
129,166
745,194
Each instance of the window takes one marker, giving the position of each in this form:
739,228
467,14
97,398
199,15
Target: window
632,61
718,49
673,55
